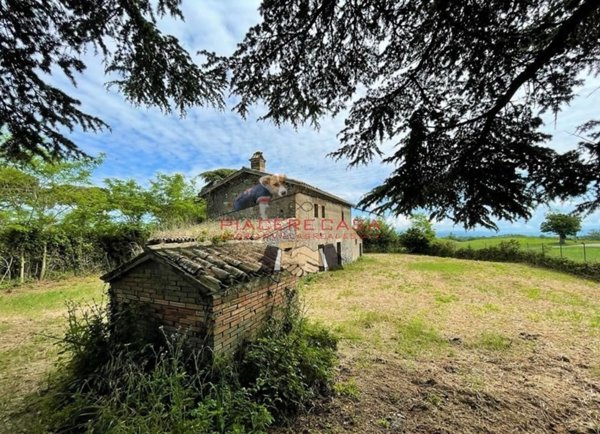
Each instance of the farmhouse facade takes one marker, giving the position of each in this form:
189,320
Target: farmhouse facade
305,217
222,294
218,295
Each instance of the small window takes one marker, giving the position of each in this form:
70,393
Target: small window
323,211
316,210
342,215
320,248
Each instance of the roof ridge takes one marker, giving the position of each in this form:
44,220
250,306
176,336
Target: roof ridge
257,172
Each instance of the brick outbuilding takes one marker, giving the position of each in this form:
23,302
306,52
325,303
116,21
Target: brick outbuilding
219,295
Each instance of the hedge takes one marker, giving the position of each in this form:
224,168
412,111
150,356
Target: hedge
510,251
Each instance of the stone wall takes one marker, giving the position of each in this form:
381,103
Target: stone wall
279,207
219,202
333,210
299,202
334,228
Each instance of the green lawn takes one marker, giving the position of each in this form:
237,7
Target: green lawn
445,345
571,250
31,318
427,345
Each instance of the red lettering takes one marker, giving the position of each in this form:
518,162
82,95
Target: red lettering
326,227
294,223
260,224
308,225
342,225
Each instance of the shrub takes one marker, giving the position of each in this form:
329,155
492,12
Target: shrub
415,241
110,381
378,236
510,251
228,409
418,238
504,251
121,242
442,248
290,365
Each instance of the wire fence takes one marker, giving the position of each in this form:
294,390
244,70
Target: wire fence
587,252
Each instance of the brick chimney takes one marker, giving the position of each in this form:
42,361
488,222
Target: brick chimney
258,162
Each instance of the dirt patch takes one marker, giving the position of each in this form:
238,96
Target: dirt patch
463,393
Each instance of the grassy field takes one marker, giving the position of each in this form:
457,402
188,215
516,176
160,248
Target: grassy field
31,317
427,345
451,346
571,250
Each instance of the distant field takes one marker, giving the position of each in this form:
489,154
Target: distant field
571,250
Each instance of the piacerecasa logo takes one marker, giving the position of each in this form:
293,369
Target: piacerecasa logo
305,228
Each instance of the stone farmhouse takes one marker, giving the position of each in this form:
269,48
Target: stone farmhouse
222,294
306,221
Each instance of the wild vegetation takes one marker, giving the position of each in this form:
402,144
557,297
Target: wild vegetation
463,104
444,92
428,344
511,251
108,379
572,257
32,317
425,343
572,249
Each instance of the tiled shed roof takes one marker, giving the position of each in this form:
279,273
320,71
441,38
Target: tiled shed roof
214,267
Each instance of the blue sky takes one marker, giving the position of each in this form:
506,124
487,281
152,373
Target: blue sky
144,141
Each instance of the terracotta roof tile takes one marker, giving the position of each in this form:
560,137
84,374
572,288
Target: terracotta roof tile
215,267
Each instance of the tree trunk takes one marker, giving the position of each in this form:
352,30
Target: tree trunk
562,238
44,260
22,267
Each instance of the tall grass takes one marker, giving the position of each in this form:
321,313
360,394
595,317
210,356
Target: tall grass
112,380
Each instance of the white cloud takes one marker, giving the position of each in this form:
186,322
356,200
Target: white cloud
144,141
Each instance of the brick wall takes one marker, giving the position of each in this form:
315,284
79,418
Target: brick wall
242,313
160,296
